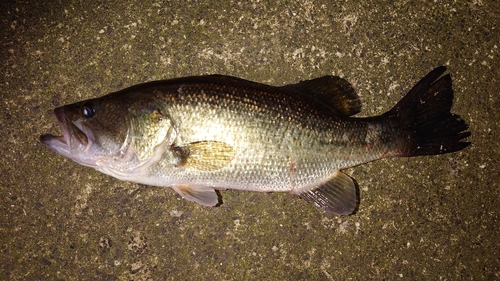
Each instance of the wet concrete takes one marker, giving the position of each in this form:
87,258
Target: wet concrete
421,218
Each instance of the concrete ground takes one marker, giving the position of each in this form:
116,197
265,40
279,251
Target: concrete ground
425,218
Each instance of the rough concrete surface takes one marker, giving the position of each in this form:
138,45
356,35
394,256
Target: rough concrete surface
424,218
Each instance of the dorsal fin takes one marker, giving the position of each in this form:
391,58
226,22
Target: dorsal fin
333,91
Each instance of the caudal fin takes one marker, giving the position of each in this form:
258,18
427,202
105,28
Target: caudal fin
425,112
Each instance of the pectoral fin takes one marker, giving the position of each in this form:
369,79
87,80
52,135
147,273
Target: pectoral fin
204,155
203,195
338,195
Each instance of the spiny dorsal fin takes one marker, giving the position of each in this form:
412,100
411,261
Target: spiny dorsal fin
338,195
333,91
204,155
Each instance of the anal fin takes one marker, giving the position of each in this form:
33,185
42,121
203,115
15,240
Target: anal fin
203,195
337,195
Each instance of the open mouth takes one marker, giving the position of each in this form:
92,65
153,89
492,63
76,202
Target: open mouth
77,142
73,138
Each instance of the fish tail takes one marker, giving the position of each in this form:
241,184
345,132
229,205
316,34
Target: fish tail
425,115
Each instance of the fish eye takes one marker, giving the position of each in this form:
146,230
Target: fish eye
88,109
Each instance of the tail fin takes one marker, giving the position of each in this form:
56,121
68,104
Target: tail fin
425,112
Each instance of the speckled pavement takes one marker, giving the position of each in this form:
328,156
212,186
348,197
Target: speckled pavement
424,218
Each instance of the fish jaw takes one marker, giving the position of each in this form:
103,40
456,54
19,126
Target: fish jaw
76,141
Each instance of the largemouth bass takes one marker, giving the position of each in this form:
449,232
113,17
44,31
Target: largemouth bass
202,134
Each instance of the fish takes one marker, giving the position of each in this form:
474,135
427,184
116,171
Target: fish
201,135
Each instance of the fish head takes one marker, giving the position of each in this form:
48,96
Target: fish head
91,129
118,136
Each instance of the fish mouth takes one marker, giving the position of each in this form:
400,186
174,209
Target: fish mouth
75,141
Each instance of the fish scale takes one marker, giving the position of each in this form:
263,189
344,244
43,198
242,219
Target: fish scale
251,132
202,134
